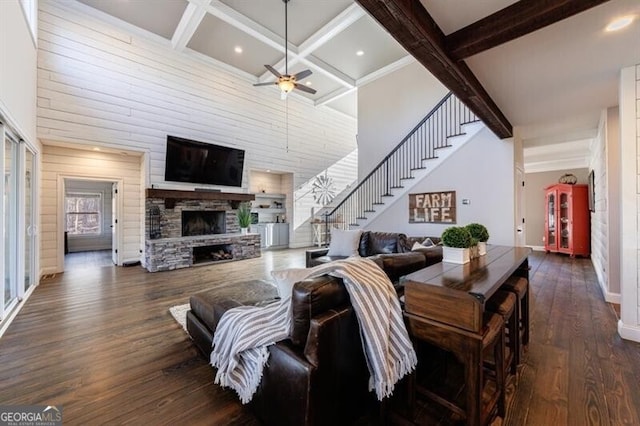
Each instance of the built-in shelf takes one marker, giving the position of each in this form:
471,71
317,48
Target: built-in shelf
266,195
271,211
171,195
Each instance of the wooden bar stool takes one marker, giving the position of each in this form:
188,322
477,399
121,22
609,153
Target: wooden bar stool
520,287
469,349
504,303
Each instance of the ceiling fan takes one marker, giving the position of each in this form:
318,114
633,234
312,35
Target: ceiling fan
287,82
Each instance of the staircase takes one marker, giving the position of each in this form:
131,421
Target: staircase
447,127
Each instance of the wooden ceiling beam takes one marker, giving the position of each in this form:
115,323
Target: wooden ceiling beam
412,26
516,20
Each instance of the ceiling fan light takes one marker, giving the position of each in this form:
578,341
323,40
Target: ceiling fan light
286,85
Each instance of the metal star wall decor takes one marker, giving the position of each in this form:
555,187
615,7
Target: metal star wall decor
323,190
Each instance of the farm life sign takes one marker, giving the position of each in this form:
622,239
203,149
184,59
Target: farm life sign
432,207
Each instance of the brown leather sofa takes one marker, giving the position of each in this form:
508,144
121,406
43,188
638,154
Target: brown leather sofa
318,376
392,248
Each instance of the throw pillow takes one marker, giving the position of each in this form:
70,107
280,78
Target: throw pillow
428,243
417,246
286,278
344,242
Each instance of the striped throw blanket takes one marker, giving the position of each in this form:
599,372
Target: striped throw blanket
244,333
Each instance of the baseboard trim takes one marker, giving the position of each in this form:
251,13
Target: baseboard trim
537,248
629,332
611,297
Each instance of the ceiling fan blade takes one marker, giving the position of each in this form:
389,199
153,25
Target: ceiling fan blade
303,74
305,88
273,70
266,84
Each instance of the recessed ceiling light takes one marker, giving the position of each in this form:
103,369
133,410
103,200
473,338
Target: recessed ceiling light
95,148
308,83
620,23
268,171
238,49
360,52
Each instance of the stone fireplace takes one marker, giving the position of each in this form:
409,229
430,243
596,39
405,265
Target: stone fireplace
195,228
203,222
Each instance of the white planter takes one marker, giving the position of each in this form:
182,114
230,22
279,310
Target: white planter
244,231
455,255
482,248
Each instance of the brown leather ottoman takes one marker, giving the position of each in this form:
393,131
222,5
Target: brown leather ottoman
208,306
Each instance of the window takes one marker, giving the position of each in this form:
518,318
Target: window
83,213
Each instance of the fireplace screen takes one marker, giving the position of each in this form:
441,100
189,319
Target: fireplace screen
203,222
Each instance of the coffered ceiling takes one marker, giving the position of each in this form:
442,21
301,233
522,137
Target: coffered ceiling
549,80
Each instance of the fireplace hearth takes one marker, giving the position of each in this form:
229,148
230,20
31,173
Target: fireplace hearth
203,222
213,253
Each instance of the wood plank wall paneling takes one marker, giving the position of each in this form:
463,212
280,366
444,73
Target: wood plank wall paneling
98,84
638,180
599,218
59,161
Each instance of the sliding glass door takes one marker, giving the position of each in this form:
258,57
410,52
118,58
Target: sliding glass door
29,216
10,222
19,227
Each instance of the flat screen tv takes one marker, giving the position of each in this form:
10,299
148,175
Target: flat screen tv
198,162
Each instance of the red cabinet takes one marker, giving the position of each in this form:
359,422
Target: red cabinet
567,224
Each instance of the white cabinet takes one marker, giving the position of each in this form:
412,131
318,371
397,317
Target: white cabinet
260,228
280,234
272,235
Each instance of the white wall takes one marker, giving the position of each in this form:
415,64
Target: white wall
535,212
629,325
17,71
77,243
104,85
481,171
605,221
59,163
613,201
389,108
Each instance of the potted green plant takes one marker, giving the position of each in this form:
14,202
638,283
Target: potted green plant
480,233
244,217
456,241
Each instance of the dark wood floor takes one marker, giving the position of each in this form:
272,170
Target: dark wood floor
101,342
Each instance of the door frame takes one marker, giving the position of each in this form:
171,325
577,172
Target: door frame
61,222
520,208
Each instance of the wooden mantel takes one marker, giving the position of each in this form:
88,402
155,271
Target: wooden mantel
170,196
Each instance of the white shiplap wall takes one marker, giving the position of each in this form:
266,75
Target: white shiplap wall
629,238
105,85
61,162
599,218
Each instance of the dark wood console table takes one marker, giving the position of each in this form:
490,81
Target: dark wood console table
444,304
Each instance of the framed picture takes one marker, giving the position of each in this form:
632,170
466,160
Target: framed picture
592,194
432,207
